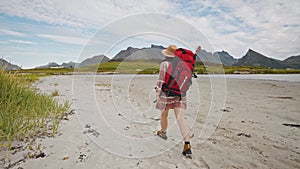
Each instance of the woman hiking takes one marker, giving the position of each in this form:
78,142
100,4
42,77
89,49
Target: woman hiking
177,103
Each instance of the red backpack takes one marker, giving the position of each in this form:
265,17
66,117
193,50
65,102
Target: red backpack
178,78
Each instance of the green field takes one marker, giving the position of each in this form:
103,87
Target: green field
32,75
258,70
139,67
143,67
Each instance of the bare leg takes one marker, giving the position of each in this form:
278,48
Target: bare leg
164,120
185,131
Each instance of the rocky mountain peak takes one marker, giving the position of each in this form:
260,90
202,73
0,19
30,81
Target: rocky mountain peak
94,60
8,66
253,58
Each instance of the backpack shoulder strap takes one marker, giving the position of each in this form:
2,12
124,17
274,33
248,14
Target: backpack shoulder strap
174,62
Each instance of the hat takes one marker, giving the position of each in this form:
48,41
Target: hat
169,52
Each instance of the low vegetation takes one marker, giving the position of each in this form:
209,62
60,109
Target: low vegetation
44,71
258,70
139,67
54,93
143,67
32,75
24,113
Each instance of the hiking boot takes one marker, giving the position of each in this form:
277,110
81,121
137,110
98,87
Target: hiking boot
187,149
162,134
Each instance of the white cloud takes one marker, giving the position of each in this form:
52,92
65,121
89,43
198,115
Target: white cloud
82,14
158,29
11,32
23,42
271,27
64,39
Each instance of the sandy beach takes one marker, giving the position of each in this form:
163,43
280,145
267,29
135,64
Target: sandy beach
236,124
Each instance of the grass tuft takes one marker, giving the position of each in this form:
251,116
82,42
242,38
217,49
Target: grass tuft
24,113
54,93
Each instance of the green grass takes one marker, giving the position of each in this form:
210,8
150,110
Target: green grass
31,75
54,93
258,70
25,114
44,71
143,67
139,67
29,78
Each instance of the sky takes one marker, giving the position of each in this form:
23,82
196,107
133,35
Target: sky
36,32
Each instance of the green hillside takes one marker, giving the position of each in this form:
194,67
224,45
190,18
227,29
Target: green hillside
143,67
140,67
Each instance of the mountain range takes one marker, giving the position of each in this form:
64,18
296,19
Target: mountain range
132,54
89,61
153,53
251,58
